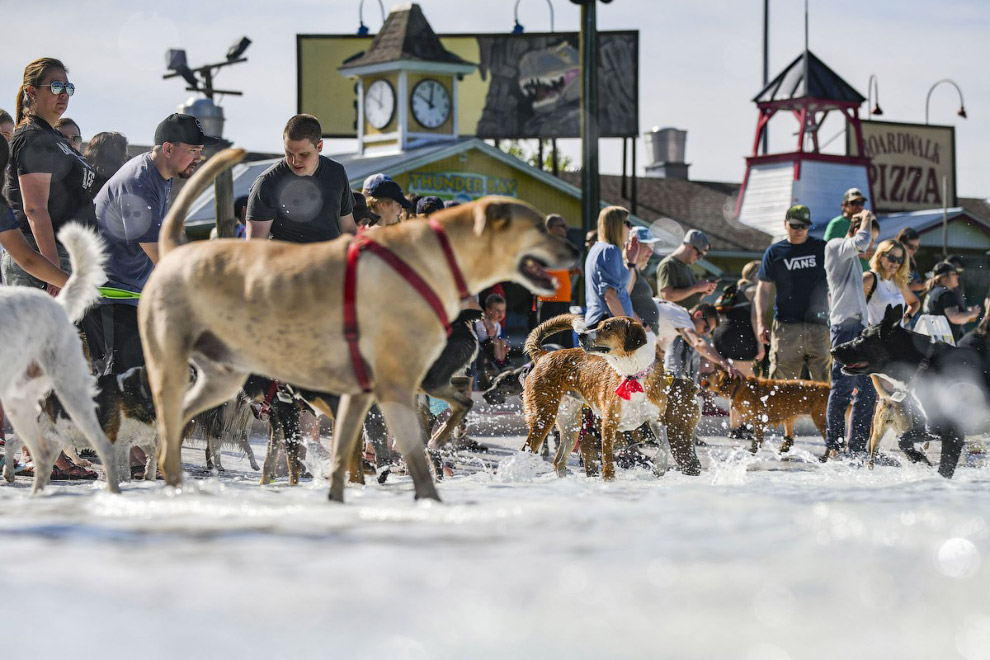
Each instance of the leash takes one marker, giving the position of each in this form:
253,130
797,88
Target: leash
114,293
262,413
363,243
900,394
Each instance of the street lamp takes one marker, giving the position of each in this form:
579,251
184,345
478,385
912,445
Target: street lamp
518,27
962,106
874,107
362,28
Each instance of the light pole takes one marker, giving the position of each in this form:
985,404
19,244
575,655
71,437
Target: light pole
962,106
873,102
590,192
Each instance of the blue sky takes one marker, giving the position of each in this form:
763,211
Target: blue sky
700,62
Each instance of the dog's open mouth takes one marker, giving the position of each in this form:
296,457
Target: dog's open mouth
535,273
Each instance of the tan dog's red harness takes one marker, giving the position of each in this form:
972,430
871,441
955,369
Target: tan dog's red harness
362,243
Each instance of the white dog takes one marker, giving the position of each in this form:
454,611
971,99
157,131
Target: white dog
40,351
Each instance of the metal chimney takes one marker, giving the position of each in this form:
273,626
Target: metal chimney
665,149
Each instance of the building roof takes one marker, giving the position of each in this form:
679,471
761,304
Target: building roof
405,36
808,77
705,205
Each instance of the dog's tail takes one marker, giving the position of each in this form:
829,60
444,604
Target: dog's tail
87,256
563,323
171,235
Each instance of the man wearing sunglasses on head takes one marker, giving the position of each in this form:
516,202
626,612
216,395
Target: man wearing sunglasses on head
130,208
852,203
795,267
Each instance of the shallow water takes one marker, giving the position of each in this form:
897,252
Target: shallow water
757,558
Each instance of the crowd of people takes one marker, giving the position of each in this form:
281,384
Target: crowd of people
825,291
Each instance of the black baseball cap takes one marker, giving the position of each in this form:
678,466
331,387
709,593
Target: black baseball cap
385,188
429,204
182,128
362,214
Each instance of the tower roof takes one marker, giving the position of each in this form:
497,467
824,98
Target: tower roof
808,77
405,36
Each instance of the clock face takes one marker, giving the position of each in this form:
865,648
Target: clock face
379,103
430,103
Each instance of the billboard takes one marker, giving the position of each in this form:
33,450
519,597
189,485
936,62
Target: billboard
907,164
525,86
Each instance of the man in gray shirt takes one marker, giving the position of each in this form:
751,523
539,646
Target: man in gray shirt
848,317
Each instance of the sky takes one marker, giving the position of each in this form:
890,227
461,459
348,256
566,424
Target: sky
700,63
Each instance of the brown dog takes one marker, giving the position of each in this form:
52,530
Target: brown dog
611,355
233,308
764,403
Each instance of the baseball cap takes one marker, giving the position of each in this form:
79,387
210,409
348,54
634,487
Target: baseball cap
373,180
451,203
385,188
943,267
799,213
182,128
697,239
851,194
643,235
362,214
428,204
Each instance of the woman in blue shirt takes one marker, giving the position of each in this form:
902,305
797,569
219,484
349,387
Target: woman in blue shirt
606,276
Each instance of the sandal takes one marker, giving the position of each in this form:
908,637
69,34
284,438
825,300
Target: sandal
74,473
137,472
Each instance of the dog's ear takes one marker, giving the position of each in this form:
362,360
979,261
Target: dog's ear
892,315
635,337
491,215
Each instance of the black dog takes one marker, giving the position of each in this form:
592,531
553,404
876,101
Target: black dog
951,385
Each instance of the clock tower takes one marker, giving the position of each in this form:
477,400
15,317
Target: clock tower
406,85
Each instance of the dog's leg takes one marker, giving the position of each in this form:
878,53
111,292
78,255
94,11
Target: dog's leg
73,387
881,418
355,467
662,461
952,446
680,419
23,418
610,426
275,437
788,441
346,431
545,406
10,453
401,420
289,415
458,395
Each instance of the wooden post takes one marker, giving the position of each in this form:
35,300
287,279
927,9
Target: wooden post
224,196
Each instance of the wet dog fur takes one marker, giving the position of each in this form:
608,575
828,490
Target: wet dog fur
764,403
564,380
950,384
234,308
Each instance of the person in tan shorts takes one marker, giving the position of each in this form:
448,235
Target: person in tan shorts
795,267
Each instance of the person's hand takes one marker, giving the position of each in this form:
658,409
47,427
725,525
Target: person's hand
53,290
631,249
760,351
763,334
975,311
705,287
731,370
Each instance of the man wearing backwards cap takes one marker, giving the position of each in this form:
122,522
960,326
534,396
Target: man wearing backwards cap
130,208
794,266
852,202
305,197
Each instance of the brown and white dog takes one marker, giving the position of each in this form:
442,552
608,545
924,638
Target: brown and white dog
764,403
234,308
618,374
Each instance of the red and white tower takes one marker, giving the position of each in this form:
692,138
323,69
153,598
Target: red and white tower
809,91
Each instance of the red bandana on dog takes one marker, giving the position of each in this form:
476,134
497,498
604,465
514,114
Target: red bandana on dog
631,384
627,388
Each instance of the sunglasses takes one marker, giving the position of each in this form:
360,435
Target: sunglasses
799,226
628,223
912,246
894,260
58,87
75,139
856,202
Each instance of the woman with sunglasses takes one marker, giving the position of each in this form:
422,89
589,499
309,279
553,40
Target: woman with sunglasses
606,277
886,283
48,183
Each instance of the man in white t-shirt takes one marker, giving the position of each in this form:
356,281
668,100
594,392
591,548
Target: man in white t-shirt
690,327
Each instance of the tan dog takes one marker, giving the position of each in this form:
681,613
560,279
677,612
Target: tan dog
890,415
764,403
562,381
234,308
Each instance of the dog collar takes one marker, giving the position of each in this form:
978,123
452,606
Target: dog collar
630,384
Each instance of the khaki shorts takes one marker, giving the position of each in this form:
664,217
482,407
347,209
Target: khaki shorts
791,344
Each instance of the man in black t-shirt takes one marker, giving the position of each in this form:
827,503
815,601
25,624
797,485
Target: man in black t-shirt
305,197
796,267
